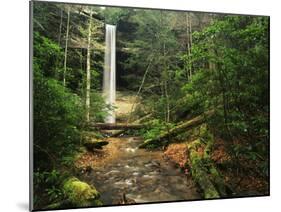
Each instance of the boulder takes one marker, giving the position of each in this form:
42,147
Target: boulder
95,144
81,194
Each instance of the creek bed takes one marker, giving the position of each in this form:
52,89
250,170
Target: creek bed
142,175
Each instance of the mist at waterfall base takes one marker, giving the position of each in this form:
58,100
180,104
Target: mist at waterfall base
109,75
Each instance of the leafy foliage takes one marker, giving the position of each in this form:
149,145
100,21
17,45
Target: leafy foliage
57,114
50,183
237,85
47,55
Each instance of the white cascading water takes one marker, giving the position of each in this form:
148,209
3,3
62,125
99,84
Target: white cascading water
109,79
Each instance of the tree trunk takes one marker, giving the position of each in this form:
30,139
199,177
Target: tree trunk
189,43
59,38
81,59
142,82
88,79
166,86
165,78
190,31
66,44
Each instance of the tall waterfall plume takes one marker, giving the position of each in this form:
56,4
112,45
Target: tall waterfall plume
109,78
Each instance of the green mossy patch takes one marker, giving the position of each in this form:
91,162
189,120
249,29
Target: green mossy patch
203,169
81,194
200,172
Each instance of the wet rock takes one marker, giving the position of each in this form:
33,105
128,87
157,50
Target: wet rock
132,150
92,145
112,172
155,163
136,173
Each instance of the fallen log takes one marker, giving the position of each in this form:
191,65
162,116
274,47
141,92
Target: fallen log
200,172
138,121
203,168
105,126
215,176
183,126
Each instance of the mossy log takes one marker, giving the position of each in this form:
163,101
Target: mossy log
217,180
81,194
214,174
177,129
200,172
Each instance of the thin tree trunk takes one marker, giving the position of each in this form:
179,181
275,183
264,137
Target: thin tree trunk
66,44
188,45
88,80
142,82
61,14
81,59
167,116
189,29
165,84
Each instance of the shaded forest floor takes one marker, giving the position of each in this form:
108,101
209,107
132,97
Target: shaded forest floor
243,182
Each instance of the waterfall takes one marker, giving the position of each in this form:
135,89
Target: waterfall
109,80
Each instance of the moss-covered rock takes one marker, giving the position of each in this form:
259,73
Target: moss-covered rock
81,194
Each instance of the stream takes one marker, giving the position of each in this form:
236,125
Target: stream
142,175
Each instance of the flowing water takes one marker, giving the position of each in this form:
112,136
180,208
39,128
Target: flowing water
144,176
109,78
